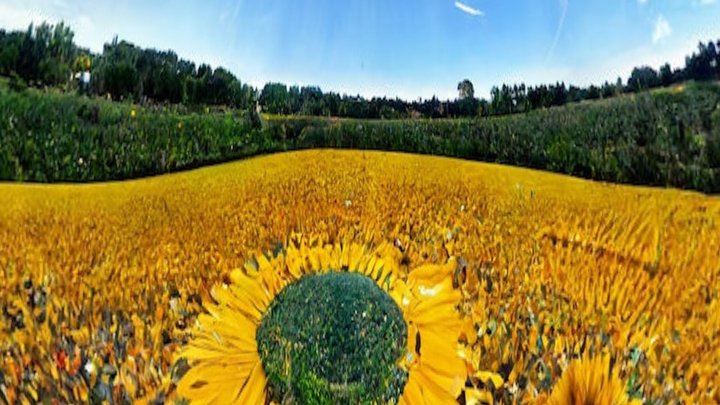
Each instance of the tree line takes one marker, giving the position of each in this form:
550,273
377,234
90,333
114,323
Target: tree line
666,138
46,55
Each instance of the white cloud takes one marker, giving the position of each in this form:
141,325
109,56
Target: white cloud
662,29
468,9
18,14
15,17
558,31
703,3
642,1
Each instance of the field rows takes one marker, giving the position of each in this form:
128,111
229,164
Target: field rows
101,284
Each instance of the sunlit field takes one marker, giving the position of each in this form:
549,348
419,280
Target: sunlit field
105,289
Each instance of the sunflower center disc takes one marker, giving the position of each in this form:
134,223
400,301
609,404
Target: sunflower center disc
333,338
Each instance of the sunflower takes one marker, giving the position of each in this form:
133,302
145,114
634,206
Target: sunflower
591,381
327,324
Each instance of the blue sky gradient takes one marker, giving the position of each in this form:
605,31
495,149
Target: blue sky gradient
400,48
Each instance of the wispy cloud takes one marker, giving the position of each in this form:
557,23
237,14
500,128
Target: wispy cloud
558,31
662,29
468,9
642,1
703,3
18,14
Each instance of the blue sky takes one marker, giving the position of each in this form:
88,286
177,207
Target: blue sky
400,48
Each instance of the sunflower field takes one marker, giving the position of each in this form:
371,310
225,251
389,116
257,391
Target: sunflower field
359,277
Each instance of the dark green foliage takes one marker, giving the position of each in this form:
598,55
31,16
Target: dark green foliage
16,83
47,56
713,142
466,89
46,136
643,78
42,55
333,338
126,71
277,98
665,137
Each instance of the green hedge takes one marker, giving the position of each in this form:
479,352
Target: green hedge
661,138
59,137
667,138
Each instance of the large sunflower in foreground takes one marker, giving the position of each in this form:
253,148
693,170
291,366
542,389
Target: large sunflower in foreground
591,381
328,324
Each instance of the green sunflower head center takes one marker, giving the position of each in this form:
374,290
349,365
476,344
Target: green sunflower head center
333,338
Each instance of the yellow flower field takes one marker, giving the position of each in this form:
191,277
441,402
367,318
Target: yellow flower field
105,288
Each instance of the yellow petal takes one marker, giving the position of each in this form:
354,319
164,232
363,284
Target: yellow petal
474,396
487,376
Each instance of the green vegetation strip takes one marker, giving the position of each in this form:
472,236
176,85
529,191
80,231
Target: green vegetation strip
664,138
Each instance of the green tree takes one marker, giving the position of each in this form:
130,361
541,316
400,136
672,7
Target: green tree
115,71
666,75
275,99
642,78
465,89
10,44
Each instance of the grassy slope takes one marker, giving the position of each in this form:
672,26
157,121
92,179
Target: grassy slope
667,137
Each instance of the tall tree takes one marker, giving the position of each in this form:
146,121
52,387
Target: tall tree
466,89
666,75
275,98
642,78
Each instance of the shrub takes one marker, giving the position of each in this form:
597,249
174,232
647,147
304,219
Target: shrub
659,138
